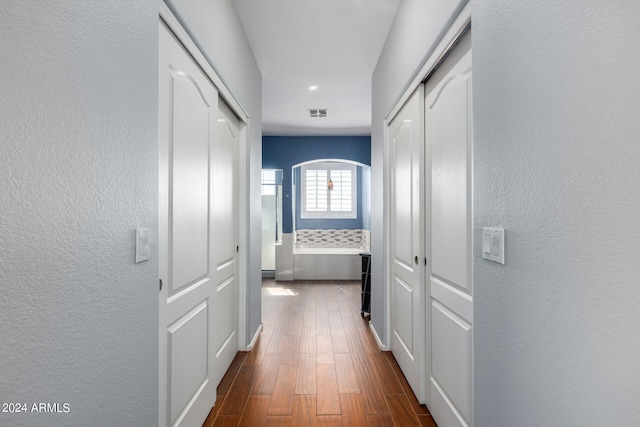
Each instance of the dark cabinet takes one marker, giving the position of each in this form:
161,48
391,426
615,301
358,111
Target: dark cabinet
366,283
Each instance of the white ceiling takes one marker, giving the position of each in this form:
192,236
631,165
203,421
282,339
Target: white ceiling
333,44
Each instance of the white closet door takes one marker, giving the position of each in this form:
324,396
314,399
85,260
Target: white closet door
407,297
224,238
448,136
188,130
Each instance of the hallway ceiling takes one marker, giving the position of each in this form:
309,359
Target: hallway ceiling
331,44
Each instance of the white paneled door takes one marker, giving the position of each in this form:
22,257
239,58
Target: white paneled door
407,297
225,239
197,237
449,136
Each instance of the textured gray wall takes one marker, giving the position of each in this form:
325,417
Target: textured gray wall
556,107
556,101
78,174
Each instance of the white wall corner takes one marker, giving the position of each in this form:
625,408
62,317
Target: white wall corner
377,337
254,339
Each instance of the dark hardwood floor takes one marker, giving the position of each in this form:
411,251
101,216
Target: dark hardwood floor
316,363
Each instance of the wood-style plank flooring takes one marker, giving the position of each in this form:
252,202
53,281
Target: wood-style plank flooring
316,363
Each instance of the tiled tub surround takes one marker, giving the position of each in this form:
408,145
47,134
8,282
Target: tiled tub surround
329,254
333,239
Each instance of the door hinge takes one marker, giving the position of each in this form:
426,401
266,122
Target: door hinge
425,260
237,248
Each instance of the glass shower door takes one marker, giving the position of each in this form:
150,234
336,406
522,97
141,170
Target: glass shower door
271,216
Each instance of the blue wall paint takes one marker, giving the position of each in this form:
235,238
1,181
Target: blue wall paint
282,152
338,224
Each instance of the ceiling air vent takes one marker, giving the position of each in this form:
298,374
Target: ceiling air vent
318,112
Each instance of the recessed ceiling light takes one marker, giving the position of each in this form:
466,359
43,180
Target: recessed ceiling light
312,88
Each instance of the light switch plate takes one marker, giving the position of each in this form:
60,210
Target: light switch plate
143,250
493,244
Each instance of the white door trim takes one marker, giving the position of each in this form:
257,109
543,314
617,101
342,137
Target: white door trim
175,26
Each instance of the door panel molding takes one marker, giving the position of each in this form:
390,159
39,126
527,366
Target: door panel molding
188,367
449,296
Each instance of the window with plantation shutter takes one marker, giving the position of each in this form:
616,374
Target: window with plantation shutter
315,183
329,190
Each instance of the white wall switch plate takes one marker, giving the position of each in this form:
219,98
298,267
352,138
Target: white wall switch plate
143,250
493,244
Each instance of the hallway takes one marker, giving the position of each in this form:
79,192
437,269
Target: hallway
316,363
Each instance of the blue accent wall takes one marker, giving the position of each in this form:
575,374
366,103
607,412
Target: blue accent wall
282,152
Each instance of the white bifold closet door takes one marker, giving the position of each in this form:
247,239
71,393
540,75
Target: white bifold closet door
197,237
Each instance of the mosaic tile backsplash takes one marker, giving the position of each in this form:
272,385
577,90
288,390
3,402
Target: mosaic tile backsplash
334,238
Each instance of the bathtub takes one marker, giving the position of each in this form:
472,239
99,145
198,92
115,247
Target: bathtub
326,263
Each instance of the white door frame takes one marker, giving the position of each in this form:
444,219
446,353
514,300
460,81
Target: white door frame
446,44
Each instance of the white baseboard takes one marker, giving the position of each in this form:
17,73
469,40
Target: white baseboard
378,340
255,338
